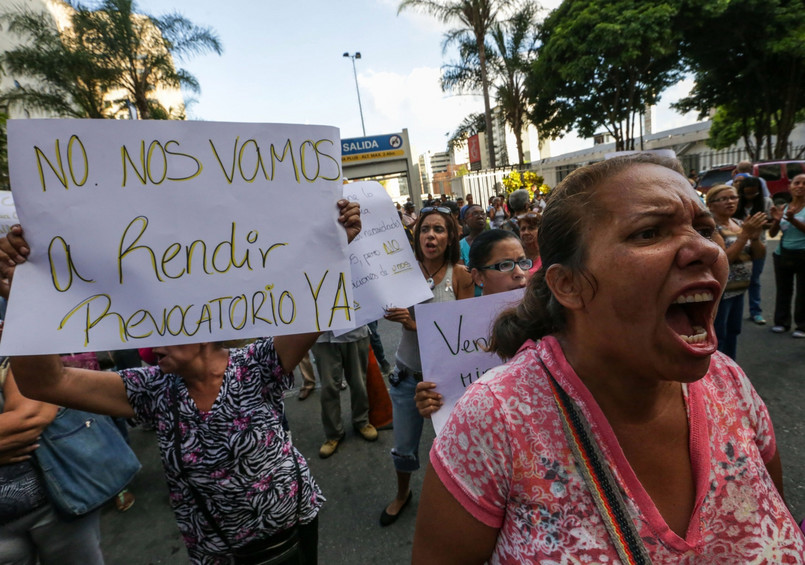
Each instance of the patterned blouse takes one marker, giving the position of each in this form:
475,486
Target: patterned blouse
237,454
503,456
741,268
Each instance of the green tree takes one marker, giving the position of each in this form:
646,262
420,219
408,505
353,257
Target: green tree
474,19
600,64
728,127
105,47
70,81
4,183
754,74
509,54
515,41
141,49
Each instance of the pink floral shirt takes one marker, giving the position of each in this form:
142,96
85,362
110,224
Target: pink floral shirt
503,456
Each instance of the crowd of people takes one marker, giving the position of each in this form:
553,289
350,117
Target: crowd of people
618,428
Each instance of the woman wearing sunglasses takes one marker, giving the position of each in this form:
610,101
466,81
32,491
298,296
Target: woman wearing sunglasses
436,246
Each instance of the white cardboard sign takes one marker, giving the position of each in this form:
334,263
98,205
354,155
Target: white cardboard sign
8,212
168,232
452,339
385,273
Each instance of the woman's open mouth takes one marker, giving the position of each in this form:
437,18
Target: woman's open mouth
691,314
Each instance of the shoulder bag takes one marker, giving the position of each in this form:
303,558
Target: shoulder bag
281,548
84,460
598,478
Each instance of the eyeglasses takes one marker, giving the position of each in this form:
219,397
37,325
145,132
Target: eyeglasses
725,199
508,265
442,209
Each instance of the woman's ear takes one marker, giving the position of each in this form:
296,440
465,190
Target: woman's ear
477,277
565,286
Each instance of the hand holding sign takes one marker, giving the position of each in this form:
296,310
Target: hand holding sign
427,399
385,277
146,233
452,340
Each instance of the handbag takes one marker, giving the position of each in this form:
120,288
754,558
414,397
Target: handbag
281,548
598,478
84,461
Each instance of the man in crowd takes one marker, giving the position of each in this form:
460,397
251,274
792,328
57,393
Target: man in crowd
347,357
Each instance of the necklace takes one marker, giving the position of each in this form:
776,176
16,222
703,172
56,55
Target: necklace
433,274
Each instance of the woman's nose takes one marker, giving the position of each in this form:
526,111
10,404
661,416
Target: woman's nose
698,249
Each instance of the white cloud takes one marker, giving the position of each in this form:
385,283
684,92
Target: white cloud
415,101
667,118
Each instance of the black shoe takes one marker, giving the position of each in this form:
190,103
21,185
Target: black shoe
387,519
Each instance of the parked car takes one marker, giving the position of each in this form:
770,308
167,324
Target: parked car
720,174
778,175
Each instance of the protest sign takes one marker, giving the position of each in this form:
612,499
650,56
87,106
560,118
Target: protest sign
453,337
166,232
385,273
8,212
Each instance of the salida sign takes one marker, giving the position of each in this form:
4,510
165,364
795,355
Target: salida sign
374,147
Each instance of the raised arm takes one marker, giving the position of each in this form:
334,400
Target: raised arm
292,348
43,377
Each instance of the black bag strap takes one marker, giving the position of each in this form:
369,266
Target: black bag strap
200,502
602,485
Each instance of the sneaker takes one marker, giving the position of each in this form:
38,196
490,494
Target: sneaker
329,447
798,334
386,368
778,329
368,432
124,500
759,320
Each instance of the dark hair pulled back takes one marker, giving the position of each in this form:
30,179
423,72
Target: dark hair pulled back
483,245
757,203
571,206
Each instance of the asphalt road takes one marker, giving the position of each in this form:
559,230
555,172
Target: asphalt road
359,479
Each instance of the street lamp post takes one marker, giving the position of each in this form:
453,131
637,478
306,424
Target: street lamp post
357,55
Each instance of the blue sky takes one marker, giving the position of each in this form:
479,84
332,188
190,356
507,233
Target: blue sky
283,62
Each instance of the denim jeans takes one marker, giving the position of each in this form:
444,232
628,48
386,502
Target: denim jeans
728,324
754,287
44,535
407,424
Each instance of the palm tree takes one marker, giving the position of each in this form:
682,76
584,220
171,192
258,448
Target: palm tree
472,124
141,49
475,19
515,41
71,81
509,54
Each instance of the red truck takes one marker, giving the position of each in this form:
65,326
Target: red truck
777,174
